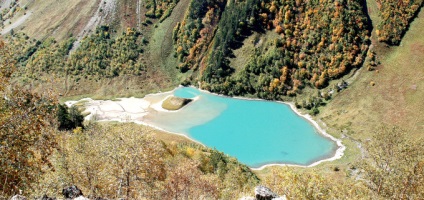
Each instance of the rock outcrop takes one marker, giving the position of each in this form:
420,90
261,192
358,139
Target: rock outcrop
264,193
175,103
18,197
45,197
81,198
72,192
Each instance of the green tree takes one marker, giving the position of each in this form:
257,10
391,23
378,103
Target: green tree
69,120
63,117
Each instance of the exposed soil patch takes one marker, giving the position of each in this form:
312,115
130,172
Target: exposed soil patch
417,49
104,13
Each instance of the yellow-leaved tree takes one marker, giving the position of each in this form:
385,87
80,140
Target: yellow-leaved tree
26,131
309,184
394,167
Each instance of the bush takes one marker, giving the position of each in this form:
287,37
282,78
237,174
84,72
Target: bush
69,119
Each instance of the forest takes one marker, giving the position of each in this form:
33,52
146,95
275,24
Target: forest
396,16
193,35
319,41
160,9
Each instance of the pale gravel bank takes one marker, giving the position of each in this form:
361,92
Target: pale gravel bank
128,110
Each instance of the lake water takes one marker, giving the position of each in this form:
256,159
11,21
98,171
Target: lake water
255,132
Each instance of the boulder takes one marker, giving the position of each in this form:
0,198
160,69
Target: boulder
18,197
45,197
264,193
71,192
175,103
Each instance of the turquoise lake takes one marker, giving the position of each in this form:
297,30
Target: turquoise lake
255,132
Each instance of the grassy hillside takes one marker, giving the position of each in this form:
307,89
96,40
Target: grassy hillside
63,17
396,97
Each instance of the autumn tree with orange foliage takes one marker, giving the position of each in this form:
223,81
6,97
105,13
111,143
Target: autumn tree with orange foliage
396,16
319,41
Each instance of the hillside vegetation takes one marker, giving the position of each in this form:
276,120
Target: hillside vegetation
107,48
98,55
125,161
320,41
396,17
64,18
311,52
394,99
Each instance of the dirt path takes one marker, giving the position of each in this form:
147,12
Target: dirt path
138,11
16,23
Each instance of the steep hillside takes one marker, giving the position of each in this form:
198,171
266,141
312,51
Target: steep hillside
311,49
392,94
268,49
41,19
84,33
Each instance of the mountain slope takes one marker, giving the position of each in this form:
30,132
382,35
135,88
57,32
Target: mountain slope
395,99
57,19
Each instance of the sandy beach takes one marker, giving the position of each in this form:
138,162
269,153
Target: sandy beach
128,110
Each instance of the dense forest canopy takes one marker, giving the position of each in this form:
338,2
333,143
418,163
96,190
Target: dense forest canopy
319,41
396,16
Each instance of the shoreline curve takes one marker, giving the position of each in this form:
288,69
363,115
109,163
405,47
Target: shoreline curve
338,153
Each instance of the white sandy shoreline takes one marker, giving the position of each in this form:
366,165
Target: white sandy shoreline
339,152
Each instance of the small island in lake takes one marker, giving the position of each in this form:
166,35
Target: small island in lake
175,103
